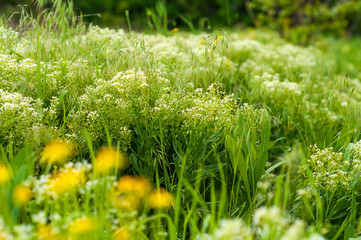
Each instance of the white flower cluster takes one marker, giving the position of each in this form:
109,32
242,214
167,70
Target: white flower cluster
232,229
330,171
278,93
8,38
356,160
4,231
23,76
268,223
268,55
113,105
19,118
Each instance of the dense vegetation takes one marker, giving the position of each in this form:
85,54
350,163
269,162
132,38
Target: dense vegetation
299,21
108,134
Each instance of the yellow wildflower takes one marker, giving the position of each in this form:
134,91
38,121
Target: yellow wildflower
109,158
130,191
161,199
220,36
65,181
199,47
201,41
47,232
5,235
5,174
139,186
227,62
127,202
83,225
21,195
122,234
57,151
174,30
215,42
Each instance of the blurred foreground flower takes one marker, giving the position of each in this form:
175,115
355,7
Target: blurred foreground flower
65,181
4,174
83,225
131,191
139,186
161,198
57,151
47,232
174,30
109,158
122,234
21,195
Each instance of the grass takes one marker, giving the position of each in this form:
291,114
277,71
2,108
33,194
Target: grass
108,134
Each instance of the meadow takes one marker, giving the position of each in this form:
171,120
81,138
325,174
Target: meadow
116,134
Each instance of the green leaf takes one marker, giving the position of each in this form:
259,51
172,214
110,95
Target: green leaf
349,232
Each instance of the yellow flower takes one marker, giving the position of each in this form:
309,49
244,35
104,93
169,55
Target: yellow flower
130,192
199,47
127,202
5,174
66,181
161,199
122,234
57,151
220,36
174,30
82,225
5,235
215,42
139,186
201,41
109,158
21,195
47,232
227,62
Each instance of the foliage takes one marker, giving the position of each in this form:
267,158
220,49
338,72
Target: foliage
223,135
297,21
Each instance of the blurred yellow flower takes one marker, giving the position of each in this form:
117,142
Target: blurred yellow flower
122,234
109,158
139,186
131,191
82,225
220,36
21,195
5,235
201,41
174,30
126,202
161,198
56,151
5,174
47,232
66,181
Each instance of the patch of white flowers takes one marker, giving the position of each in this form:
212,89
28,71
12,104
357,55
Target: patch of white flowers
268,223
330,170
19,118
